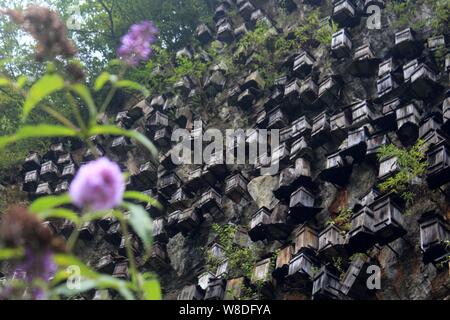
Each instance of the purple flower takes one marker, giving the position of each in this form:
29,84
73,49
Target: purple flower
136,44
98,185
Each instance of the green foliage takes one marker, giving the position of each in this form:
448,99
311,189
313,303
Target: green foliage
343,219
412,165
241,261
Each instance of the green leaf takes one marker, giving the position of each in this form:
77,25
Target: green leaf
101,80
116,131
4,82
11,253
60,213
38,131
83,91
132,85
22,81
49,202
136,195
45,86
65,260
91,216
141,223
152,290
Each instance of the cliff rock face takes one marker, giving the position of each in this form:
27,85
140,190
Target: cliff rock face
354,99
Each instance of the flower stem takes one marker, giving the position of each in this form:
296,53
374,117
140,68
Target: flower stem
130,255
112,92
58,116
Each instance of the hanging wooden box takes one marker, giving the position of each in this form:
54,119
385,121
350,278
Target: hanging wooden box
204,34
162,137
341,44
49,172
331,242
339,124
159,230
277,119
32,162
62,187
216,165
157,120
308,91
364,62
438,170
293,177
91,156
106,264
436,42
235,287
158,260
222,270
429,123
191,292
361,237
406,44
356,144
137,111
432,138
260,219
195,181
261,119
120,146
183,86
433,236
337,170
179,201
388,220
204,278
121,270
30,181
253,80
215,289
146,177
225,33
303,65
240,31
172,223
157,103
215,84
386,86
246,10
263,276
155,211
169,183
446,113
257,16
220,12
301,127
424,81
301,271
354,282
209,200
56,149
67,228
63,160
280,156
167,161
44,189
106,222
388,168
320,129
408,118
188,220
344,13
134,243
300,149
387,119
114,234
301,205
278,228
292,90
326,285
87,231
124,120
276,98
362,113
282,263
329,90
387,66
236,187
409,68
306,239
